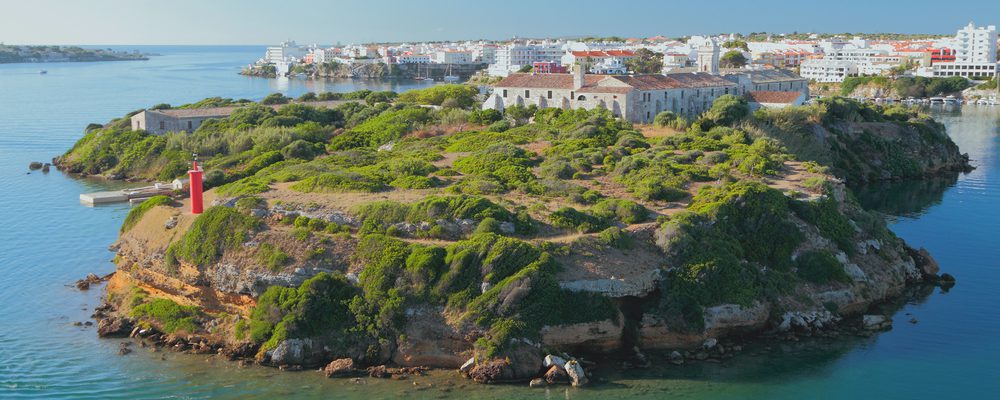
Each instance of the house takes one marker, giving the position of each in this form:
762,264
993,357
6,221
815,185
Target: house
591,58
767,80
160,122
636,98
824,70
775,99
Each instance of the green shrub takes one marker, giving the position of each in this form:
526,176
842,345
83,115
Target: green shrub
488,225
169,316
615,237
820,267
317,306
570,218
211,233
626,211
272,257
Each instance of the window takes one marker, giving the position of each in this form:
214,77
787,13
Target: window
527,94
189,125
582,98
549,95
163,125
505,93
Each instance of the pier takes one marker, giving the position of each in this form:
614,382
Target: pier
133,194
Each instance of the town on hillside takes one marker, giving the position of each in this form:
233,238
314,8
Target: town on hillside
696,69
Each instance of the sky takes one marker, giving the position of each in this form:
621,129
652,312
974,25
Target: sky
112,22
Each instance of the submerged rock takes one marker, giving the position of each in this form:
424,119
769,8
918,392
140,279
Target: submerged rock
556,374
876,322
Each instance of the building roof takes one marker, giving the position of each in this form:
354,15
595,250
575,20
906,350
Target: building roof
639,82
774,97
772,75
546,81
222,112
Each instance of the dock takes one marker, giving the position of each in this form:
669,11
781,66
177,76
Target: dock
132,195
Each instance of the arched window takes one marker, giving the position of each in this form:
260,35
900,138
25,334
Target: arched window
582,98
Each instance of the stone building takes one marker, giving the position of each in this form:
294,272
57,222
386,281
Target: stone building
636,98
159,122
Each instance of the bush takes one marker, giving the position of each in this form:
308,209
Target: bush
820,267
211,233
317,306
615,237
272,257
275,98
168,315
570,218
626,211
488,225
463,96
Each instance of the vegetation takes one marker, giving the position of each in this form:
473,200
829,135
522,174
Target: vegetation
167,315
645,61
136,213
733,59
214,231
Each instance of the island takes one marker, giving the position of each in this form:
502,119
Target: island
387,233
10,54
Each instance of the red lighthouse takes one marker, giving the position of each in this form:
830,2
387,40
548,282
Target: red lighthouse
195,184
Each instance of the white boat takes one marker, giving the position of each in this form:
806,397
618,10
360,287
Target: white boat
451,78
952,101
428,79
936,100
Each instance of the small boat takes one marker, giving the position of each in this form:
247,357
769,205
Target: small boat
451,78
43,72
952,101
428,79
937,100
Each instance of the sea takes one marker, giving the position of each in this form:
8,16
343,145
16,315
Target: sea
943,344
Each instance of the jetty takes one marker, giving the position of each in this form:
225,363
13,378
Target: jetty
132,195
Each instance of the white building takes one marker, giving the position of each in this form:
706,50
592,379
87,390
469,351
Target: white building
287,51
975,53
512,57
825,70
413,59
452,57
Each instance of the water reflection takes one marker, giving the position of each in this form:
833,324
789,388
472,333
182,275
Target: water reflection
908,198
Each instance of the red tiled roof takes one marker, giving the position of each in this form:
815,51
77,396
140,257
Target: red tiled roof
553,81
774,97
606,89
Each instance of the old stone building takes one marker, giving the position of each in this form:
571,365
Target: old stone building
636,98
188,120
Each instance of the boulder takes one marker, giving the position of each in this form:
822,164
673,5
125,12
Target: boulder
537,382
114,327
577,376
710,343
676,358
291,352
556,374
34,165
925,263
876,322
492,371
551,360
467,366
341,367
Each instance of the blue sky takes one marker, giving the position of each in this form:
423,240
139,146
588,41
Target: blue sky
355,21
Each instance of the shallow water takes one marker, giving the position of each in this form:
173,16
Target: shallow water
48,240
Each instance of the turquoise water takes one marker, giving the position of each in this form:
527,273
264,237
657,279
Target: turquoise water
48,240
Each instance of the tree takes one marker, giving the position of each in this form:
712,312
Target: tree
727,109
733,59
646,61
526,69
736,45
275,98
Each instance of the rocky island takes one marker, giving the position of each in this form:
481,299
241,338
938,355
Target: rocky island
38,54
392,236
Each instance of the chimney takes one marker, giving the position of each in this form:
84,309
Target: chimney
194,183
577,77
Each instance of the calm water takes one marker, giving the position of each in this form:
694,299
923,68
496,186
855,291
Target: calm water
48,240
